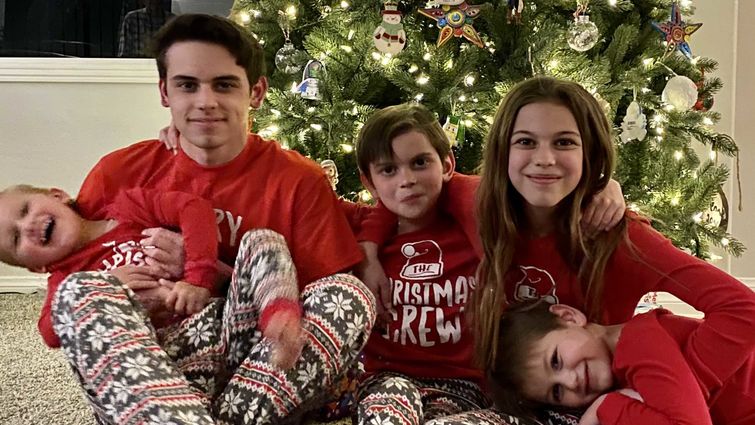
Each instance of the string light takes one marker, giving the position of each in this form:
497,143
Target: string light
423,79
634,207
419,97
686,3
386,59
697,218
346,48
462,98
725,241
293,87
344,5
245,18
659,130
347,148
275,112
413,69
291,12
612,2
269,131
712,155
427,56
450,64
316,127
707,121
647,61
553,63
351,34
256,13
376,56
469,80
678,155
669,107
311,109
468,123
675,200
365,196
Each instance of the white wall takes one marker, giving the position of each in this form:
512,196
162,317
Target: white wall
58,116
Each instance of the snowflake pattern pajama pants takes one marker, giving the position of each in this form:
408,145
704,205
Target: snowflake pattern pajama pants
395,399
213,367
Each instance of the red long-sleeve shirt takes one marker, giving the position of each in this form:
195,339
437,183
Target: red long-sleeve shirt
649,359
135,210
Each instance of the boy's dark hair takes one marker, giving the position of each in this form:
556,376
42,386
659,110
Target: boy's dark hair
521,325
210,29
377,134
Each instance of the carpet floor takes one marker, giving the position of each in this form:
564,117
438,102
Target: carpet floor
36,384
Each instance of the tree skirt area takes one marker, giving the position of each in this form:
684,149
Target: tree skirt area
36,384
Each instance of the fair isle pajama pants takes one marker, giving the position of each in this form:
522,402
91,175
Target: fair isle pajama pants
212,367
496,417
394,399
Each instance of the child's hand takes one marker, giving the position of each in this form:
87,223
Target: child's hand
137,277
372,274
169,137
287,337
186,299
590,417
164,250
605,210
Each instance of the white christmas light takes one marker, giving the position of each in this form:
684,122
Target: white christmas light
423,79
675,200
712,155
468,123
293,87
427,56
275,112
697,218
245,18
645,90
346,48
344,4
385,60
725,242
347,148
271,130
634,207
376,56
413,69
669,108
351,34
714,257
647,62
450,63
256,13
678,155
291,12
553,63
686,3
316,127
659,130
612,2
462,98
419,97
311,109
469,80
707,121
365,196
695,60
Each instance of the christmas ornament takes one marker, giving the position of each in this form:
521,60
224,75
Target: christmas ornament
389,35
680,92
289,59
718,211
454,18
582,34
331,171
309,86
676,32
454,129
634,124
514,13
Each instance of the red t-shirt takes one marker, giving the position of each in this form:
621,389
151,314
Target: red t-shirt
265,186
432,276
649,360
135,210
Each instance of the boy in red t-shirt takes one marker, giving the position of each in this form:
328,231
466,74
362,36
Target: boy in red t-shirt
630,373
44,233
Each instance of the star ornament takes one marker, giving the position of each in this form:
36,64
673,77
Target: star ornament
676,32
455,20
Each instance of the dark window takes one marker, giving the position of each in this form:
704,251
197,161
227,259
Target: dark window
89,28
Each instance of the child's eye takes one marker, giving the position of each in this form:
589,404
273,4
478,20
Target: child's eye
420,162
224,85
24,209
186,85
387,170
16,237
565,143
524,142
555,364
556,393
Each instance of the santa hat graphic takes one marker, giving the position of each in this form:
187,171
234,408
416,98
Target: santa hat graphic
424,260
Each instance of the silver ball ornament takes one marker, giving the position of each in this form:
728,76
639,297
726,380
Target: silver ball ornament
583,34
680,92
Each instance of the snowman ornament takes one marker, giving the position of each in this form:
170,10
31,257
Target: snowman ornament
389,35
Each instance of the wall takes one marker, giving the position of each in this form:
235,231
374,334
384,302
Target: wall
59,116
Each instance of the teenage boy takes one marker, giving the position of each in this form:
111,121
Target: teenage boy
211,75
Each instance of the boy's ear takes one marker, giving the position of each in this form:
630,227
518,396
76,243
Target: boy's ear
60,195
569,314
163,93
449,165
368,185
258,91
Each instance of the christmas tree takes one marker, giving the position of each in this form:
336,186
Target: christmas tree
332,62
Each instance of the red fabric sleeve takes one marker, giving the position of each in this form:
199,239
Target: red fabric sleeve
379,225
459,201
355,213
44,324
319,227
649,361
724,341
192,215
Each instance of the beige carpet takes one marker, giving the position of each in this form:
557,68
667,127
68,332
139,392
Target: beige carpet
36,385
